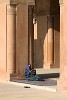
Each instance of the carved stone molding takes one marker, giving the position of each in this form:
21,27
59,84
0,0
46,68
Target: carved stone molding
11,9
61,2
13,1
30,2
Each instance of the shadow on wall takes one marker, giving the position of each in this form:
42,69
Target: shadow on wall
39,38
40,42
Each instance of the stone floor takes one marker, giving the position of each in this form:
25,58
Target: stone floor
33,90
13,91
48,84
50,77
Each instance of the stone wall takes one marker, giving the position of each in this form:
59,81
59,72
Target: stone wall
3,43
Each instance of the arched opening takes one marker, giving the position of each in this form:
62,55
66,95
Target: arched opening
47,35
47,20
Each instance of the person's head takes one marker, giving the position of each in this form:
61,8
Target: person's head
29,66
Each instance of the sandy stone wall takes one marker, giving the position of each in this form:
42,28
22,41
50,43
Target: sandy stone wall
3,50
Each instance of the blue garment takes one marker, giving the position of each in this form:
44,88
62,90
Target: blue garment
27,71
31,77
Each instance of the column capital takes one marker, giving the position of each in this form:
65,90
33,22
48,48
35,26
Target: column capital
61,2
30,2
11,9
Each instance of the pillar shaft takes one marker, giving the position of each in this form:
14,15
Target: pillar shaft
22,39
62,82
50,40
11,38
31,36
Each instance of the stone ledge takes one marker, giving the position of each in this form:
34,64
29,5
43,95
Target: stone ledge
30,2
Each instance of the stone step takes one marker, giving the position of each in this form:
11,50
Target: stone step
48,73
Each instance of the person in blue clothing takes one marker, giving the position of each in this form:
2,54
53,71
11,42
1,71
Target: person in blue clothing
28,71
30,75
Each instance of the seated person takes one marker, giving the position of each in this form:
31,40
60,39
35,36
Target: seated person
30,74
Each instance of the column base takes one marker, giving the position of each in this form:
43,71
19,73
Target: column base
4,77
50,66
13,74
17,76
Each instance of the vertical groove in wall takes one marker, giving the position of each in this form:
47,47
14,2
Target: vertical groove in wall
6,38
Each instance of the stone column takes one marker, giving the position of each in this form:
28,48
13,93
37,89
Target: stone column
62,82
50,40
31,36
22,39
11,39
